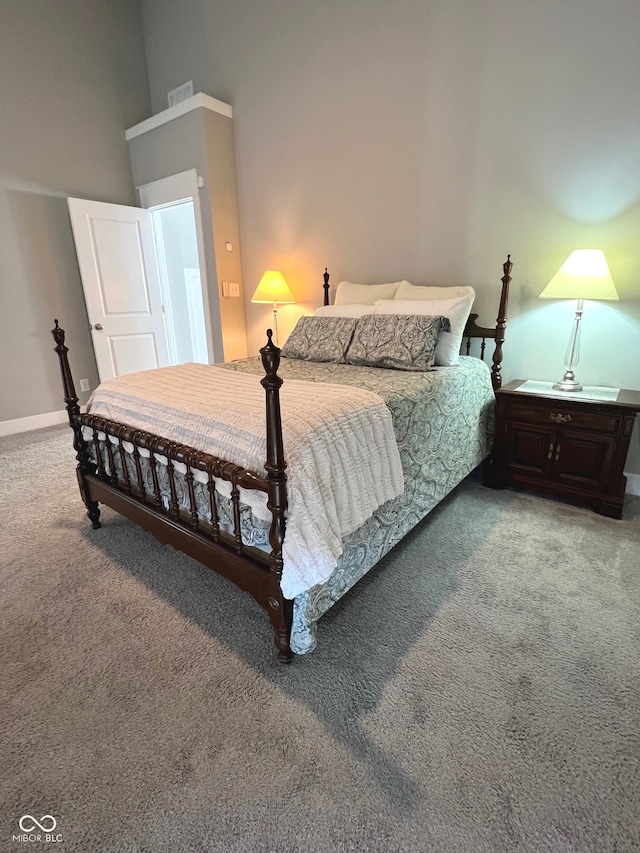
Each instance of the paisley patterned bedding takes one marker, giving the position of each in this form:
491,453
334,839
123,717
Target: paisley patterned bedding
444,423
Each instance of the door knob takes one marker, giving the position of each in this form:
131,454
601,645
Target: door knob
98,327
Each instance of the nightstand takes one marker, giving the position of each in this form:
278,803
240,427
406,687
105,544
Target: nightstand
563,446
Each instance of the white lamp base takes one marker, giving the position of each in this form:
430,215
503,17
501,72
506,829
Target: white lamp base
568,381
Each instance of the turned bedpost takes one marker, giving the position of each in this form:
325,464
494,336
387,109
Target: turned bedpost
85,465
501,325
281,609
70,397
326,286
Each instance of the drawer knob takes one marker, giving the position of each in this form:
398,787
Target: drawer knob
559,418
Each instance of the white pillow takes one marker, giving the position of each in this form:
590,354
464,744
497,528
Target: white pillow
457,310
348,293
343,310
417,291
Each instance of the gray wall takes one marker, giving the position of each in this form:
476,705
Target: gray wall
425,139
221,184
73,77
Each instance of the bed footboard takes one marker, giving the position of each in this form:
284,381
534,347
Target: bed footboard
118,466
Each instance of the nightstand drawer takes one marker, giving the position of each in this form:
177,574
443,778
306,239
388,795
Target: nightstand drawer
551,414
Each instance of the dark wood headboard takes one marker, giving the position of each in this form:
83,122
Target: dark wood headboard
473,330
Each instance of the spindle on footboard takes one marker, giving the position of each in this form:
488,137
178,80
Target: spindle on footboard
128,472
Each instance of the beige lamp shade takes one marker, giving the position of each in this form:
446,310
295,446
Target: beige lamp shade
584,275
272,288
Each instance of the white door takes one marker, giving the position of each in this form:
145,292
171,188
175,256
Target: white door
119,271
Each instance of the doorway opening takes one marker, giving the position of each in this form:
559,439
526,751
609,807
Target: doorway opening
174,227
174,205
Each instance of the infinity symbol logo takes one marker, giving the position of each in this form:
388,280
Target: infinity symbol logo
40,824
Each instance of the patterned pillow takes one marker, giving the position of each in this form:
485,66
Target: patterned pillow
320,339
401,341
456,309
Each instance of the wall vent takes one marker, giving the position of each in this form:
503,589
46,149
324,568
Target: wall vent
175,96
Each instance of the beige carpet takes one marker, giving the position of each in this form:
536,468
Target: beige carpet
479,691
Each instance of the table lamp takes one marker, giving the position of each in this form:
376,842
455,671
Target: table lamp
584,275
273,288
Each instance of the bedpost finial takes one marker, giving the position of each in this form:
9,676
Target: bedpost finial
270,355
58,334
325,276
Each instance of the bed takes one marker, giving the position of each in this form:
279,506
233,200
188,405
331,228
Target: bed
426,429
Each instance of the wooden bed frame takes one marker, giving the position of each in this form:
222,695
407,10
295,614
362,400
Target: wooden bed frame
249,568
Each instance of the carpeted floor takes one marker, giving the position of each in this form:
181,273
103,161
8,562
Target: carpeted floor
478,691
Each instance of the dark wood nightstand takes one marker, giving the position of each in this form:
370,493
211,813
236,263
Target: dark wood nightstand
566,447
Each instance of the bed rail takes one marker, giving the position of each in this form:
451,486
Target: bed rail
113,474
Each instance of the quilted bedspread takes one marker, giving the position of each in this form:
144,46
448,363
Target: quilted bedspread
339,443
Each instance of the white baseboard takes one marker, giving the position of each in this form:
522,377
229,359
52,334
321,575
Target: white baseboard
633,484
33,422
